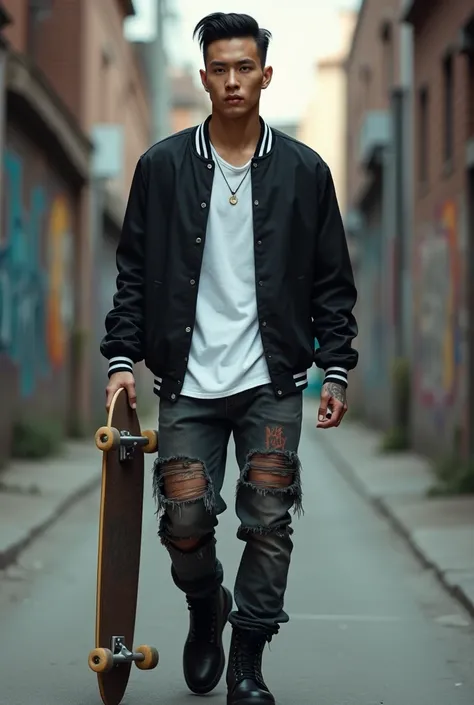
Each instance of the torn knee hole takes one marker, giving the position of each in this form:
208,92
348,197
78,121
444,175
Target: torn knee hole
183,480
184,545
271,470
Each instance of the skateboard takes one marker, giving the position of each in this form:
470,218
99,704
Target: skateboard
120,533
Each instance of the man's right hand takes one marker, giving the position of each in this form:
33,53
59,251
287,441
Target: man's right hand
121,380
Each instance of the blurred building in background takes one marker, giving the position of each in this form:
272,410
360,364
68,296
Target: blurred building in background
75,115
190,104
410,155
443,234
378,127
323,125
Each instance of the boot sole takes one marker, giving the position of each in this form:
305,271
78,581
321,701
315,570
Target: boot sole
207,689
248,701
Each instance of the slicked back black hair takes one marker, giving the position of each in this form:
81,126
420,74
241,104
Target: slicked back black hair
221,25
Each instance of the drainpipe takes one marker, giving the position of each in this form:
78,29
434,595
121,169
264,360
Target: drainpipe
158,73
5,20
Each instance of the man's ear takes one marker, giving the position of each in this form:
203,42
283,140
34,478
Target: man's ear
203,75
267,77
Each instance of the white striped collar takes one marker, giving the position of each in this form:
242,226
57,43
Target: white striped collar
202,141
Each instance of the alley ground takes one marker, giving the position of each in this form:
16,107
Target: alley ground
369,625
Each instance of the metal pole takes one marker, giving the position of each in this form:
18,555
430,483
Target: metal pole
159,77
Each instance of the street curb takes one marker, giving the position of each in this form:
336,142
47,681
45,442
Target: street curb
10,555
383,509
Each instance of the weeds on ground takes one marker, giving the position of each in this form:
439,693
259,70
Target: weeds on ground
454,474
397,439
35,440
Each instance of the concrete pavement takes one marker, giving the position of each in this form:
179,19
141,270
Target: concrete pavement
439,529
368,624
34,494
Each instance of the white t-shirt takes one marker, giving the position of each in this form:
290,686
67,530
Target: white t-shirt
226,355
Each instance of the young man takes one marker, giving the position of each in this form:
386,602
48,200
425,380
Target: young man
232,260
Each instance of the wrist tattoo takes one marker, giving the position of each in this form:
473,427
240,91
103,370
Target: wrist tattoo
337,391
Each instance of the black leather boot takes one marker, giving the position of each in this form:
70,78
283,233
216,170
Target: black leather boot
245,684
203,657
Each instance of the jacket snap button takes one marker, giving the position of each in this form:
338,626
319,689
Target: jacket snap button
173,396
209,166
188,330
203,205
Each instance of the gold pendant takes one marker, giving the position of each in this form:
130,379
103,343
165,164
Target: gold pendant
233,200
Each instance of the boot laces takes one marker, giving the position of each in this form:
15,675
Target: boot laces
247,657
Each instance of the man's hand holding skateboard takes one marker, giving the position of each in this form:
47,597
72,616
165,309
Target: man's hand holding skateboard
120,380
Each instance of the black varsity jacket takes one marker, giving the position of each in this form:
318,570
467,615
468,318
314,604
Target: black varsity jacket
304,281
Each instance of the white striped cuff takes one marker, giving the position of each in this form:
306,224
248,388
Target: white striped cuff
337,375
120,364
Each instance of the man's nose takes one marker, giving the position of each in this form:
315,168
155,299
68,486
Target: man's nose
232,79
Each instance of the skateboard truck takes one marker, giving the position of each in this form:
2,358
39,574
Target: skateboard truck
122,654
128,443
108,438
103,660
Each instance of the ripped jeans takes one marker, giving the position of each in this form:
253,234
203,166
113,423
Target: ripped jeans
188,478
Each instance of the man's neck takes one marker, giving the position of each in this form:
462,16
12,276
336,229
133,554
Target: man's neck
235,140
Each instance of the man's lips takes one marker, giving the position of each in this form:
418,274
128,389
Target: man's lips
233,99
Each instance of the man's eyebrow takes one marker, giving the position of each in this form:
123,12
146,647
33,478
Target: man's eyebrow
217,62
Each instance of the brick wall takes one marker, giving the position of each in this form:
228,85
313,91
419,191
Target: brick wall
440,232
372,72
37,242
80,49
367,82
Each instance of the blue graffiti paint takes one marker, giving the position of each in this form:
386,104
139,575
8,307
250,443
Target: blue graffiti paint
23,280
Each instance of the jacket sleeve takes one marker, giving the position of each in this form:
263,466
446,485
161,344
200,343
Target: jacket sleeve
123,342
334,291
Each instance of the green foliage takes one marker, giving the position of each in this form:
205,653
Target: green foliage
35,440
398,437
454,474
395,441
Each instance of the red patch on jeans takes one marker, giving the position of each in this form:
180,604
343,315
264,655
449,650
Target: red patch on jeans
274,438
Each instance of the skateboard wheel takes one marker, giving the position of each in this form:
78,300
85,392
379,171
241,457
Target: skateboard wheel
107,438
152,446
151,658
101,660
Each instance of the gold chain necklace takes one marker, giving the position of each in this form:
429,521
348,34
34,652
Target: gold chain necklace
233,200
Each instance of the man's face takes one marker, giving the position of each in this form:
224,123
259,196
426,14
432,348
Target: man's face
234,76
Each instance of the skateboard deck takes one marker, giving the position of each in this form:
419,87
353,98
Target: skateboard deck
120,535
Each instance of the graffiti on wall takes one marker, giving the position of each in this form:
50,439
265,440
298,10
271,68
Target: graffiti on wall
438,332
35,293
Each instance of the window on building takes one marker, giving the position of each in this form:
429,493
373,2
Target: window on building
37,12
388,57
366,87
468,41
448,98
423,134
470,94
